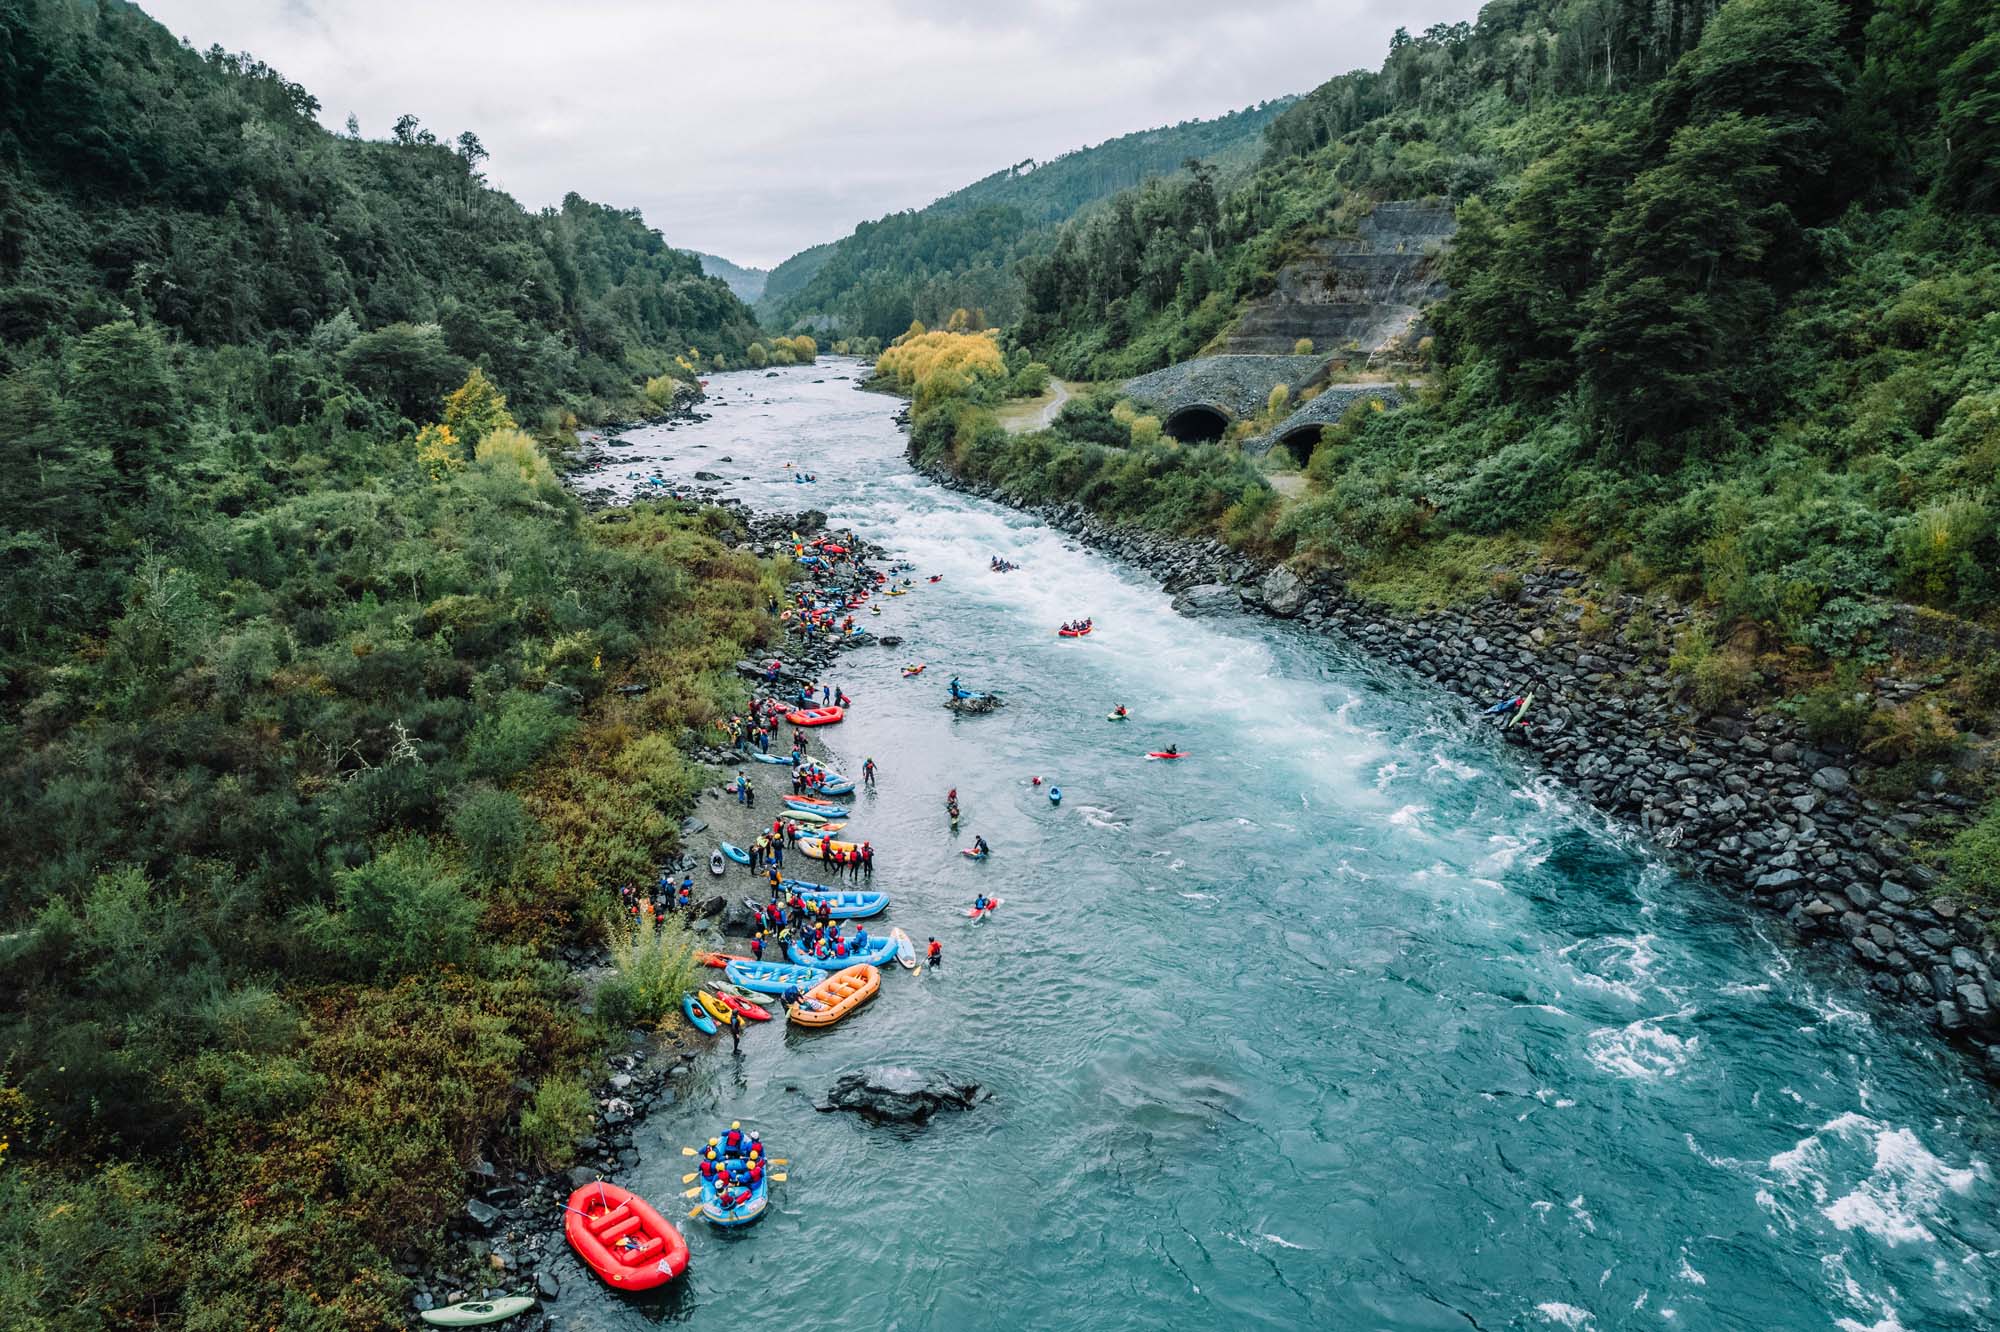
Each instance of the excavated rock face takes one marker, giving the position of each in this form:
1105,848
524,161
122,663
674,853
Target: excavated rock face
1357,294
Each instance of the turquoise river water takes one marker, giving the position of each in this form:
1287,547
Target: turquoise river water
1347,1020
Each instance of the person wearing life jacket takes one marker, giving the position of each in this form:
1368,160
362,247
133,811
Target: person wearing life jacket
842,699
708,1168
1119,711
979,902
935,954
861,938
732,1142
979,845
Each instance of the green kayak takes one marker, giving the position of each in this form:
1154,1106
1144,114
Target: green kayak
477,1313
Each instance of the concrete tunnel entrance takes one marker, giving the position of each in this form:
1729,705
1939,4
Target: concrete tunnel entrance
1301,442
1196,424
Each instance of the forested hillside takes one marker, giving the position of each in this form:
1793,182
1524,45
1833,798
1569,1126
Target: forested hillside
308,748
746,283
960,252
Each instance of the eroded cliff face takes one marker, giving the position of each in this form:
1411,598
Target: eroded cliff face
1359,296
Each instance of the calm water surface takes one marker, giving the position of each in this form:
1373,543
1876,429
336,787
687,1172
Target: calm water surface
1345,1021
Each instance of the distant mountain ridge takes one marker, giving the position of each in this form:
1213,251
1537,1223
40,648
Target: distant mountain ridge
960,251
746,283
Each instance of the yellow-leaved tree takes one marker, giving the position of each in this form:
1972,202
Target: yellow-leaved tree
439,452
933,365
476,409
661,390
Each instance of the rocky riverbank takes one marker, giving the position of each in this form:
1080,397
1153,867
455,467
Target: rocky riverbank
508,1237
1746,799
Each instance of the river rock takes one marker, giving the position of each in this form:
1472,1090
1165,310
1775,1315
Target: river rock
706,476
1284,593
893,1094
974,706
1208,599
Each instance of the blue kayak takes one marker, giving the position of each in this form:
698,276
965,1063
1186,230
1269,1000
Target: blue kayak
813,806
743,1213
783,760
1055,795
703,1023
841,905
773,977
836,786
879,953
736,853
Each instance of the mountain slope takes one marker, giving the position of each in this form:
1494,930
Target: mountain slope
960,251
746,283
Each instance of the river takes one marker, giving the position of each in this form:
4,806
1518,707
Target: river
1346,1020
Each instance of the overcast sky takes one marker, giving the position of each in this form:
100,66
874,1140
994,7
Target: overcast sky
755,128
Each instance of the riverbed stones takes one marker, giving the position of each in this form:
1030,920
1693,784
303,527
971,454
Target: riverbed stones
1284,593
1208,599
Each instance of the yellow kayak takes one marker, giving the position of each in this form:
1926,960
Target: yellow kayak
716,1008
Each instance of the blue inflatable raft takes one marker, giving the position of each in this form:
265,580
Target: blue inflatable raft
879,953
773,977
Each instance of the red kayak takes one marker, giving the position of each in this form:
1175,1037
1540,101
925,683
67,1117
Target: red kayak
754,1012
815,716
973,853
991,904
621,1238
721,960
1161,754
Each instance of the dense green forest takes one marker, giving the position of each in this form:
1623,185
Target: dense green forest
961,252
1722,326
308,746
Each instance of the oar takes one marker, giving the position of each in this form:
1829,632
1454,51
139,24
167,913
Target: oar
690,1177
780,1177
695,1213
690,1193
689,1151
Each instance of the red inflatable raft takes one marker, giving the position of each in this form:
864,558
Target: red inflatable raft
815,716
621,1238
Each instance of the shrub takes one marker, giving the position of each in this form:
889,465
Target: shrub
552,1122
1717,676
1973,858
1303,347
1943,551
655,968
493,827
1837,712
404,911
1145,431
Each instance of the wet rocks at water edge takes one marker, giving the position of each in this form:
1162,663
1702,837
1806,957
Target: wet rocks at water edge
893,1094
1207,599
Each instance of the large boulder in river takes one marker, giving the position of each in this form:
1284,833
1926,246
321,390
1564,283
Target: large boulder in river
892,1094
1208,599
1284,592
974,707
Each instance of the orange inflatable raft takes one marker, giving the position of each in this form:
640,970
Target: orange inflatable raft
840,994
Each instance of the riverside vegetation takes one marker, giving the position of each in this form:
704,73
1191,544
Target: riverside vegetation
1720,332
310,744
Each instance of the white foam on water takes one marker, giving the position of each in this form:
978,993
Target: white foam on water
1451,767
1566,1315
1611,954
1897,1197
1407,818
1583,1216
1642,1051
1386,774
1688,1272
1737,989
1284,1243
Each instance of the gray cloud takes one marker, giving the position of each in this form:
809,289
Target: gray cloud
755,130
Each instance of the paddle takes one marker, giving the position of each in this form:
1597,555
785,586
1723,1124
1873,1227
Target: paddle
690,1177
695,1213
691,1193
780,1177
